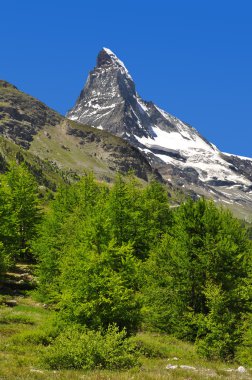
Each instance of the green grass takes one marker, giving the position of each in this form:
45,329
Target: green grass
4,104
24,333
76,158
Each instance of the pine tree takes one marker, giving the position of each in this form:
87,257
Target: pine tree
206,252
21,193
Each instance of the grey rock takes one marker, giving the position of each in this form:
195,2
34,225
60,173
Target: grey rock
171,366
188,367
11,303
241,369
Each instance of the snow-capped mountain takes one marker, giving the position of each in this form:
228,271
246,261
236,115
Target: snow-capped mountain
109,101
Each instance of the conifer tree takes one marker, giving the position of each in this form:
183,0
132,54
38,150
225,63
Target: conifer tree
206,252
21,194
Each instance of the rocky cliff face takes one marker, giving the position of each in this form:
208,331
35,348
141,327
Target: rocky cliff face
109,101
22,116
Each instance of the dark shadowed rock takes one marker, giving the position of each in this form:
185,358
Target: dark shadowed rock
22,116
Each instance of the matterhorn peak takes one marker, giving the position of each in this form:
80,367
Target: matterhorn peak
109,101
107,58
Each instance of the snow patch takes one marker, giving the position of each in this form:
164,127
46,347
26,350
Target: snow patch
235,155
199,155
142,106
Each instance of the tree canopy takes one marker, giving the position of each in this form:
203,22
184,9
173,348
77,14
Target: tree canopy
112,259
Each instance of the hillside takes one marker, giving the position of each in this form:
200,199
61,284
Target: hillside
61,146
22,116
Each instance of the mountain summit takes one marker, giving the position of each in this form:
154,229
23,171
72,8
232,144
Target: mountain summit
109,101
107,57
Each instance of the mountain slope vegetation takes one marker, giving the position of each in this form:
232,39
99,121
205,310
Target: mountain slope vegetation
114,260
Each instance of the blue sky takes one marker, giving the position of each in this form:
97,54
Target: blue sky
193,58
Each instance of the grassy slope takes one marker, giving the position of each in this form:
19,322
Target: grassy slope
54,145
26,122
22,116
45,172
19,359
77,148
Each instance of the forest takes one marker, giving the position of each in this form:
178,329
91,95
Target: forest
115,259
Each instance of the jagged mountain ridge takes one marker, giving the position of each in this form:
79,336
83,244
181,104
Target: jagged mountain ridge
109,101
